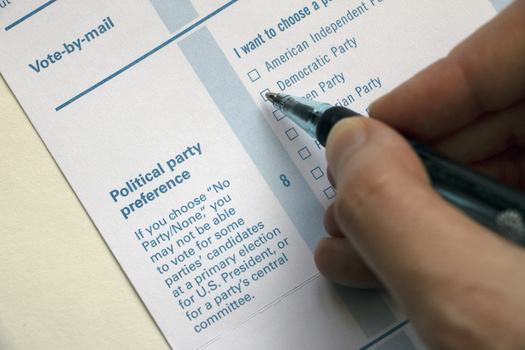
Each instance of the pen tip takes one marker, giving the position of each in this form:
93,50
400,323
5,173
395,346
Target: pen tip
271,96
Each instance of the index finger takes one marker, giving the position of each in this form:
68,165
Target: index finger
484,73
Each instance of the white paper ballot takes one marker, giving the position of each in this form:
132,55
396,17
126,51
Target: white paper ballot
211,201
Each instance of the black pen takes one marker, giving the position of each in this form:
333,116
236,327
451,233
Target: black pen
491,203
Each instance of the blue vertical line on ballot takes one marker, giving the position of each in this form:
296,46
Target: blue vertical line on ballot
370,310
29,15
146,55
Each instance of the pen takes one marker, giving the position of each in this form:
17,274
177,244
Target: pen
489,202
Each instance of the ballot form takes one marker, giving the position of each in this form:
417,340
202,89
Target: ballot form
211,200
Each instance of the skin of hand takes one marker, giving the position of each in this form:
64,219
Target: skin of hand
462,286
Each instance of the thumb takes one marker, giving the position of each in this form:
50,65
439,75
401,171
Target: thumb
412,240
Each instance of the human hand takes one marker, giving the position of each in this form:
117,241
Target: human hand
461,285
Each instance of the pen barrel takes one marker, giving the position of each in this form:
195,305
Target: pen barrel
305,113
329,118
493,204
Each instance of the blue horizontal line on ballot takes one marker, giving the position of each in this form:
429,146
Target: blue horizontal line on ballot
143,57
29,15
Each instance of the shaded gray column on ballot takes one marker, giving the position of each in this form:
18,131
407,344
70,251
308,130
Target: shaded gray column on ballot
256,136
369,308
175,14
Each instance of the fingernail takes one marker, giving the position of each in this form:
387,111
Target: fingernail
372,106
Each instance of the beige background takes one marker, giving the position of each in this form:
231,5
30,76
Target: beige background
61,287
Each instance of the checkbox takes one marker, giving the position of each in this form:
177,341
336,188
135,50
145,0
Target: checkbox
263,94
330,192
254,75
278,115
304,153
291,133
317,173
